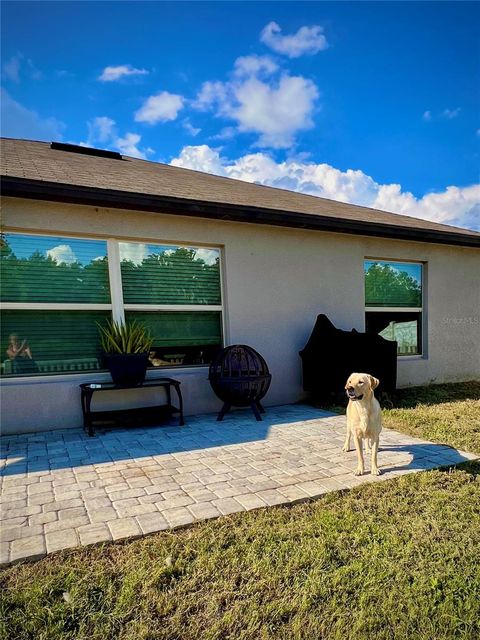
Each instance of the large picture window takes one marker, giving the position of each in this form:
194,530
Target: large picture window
55,290
394,303
176,293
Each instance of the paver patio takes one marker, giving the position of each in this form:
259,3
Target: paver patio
63,489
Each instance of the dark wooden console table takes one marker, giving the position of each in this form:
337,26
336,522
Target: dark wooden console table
142,415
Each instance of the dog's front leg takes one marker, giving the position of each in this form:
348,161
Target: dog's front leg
375,470
346,445
359,448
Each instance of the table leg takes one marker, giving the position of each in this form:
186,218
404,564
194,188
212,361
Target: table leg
180,403
87,416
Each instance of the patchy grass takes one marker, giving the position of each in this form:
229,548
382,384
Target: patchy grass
444,413
388,561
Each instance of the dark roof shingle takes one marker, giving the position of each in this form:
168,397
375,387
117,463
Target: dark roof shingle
24,162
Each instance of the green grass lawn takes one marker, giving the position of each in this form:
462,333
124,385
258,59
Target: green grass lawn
384,561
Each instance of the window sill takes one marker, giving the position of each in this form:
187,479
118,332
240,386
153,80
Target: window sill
407,358
102,376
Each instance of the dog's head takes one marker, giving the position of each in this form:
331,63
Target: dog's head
360,385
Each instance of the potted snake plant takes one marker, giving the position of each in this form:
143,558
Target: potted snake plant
126,347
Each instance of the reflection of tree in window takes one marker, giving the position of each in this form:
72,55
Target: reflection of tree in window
172,276
41,278
386,286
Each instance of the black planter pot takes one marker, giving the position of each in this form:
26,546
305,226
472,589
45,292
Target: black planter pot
127,368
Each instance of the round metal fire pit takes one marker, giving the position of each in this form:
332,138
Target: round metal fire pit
239,377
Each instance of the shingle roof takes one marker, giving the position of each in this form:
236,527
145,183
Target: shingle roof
34,169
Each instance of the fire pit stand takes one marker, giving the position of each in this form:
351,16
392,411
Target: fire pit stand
239,377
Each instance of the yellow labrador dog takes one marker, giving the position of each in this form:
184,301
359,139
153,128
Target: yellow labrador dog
364,418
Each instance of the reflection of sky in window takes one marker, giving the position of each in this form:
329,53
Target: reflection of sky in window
413,270
65,250
137,252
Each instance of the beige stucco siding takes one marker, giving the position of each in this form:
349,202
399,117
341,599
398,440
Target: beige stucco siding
275,282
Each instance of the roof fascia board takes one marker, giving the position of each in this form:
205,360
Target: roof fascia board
110,198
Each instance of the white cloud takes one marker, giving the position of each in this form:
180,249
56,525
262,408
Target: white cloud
307,40
259,100
449,114
458,206
427,116
133,252
188,126
128,146
211,94
103,131
162,107
19,122
275,111
254,65
11,68
111,74
200,158
18,66
227,133
63,253
209,256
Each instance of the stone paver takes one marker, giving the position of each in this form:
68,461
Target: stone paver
63,489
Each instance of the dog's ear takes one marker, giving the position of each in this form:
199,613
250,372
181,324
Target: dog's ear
374,382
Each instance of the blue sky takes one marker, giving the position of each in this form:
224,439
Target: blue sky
372,103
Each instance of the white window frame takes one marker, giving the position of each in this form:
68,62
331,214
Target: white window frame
117,306
421,310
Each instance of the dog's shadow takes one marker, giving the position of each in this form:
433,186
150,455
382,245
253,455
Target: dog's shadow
423,456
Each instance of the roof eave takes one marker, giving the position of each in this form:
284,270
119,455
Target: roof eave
112,198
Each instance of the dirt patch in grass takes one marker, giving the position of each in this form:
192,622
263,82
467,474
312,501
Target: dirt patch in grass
389,561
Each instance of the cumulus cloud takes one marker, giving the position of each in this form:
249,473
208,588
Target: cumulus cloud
102,131
133,252
112,74
188,126
162,107
19,122
209,256
458,206
307,40
128,146
427,116
254,65
262,100
62,254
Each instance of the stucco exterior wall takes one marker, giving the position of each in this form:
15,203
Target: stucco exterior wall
275,282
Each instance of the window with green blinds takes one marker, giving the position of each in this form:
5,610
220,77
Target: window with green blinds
165,275
52,269
55,290
393,284
181,337
51,341
180,328
42,278
393,301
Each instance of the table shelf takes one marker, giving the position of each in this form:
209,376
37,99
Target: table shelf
133,416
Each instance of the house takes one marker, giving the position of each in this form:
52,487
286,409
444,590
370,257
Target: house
204,261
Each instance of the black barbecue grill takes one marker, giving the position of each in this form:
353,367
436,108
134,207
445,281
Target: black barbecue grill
331,355
239,377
